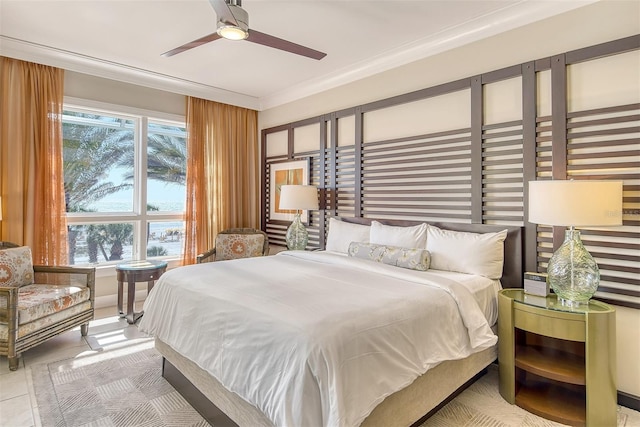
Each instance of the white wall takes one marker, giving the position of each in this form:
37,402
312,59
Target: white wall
590,25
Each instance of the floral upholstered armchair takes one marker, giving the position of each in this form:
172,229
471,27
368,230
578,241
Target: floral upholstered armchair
39,302
235,243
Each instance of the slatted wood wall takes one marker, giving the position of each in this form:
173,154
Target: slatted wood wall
464,151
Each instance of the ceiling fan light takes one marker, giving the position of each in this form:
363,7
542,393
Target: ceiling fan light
231,32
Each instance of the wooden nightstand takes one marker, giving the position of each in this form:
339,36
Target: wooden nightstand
132,272
558,362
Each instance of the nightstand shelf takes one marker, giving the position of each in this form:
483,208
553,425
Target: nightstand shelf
557,362
553,401
549,363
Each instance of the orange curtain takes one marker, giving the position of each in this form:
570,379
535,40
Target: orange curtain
31,172
222,173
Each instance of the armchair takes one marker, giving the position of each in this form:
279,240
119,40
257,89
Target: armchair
40,302
235,243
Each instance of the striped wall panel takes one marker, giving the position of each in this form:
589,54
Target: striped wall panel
480,173
502,174
427,177
605,144
345,178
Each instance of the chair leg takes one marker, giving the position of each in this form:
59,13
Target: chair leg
84,329
14,362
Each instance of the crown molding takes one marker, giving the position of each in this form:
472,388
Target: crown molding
34,52
519,14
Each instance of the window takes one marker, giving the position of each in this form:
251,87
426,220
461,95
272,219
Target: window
124,184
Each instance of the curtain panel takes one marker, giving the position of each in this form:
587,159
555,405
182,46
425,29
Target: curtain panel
222,173
31,162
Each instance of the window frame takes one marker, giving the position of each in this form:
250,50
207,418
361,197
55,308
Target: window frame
140,217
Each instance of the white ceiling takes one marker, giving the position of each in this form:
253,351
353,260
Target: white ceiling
123,40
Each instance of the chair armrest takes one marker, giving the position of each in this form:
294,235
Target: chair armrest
63,275
207,256
8,311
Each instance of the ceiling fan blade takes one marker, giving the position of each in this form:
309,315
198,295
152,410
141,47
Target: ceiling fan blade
202,40
278,43
223,11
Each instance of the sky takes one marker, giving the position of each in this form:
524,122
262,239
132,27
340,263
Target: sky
168,194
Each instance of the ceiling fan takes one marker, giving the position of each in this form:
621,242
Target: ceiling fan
233,24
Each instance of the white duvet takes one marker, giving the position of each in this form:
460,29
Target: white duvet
314,338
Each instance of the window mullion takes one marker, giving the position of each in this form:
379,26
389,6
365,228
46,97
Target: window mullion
141,185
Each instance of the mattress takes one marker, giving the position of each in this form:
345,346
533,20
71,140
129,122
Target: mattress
312,338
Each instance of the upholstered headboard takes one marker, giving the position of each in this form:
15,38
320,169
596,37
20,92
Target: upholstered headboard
512,270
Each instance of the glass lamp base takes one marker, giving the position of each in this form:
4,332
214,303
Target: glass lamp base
572,304
573,273
297,235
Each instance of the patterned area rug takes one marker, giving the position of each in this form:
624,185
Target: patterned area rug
120,388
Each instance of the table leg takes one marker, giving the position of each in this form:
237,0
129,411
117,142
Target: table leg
120,312
131,297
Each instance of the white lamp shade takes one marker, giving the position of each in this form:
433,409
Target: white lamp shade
575,203
298,197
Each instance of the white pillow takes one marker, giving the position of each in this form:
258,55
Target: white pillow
342,233
471,253
404,237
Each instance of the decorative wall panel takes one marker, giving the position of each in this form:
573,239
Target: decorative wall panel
465,151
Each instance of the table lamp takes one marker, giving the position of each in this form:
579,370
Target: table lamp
573,273
298,198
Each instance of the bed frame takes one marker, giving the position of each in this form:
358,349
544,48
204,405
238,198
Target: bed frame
409,406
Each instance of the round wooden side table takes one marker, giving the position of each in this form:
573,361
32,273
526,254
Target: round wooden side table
132,272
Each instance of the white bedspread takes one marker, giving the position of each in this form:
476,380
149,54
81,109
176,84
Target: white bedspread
312,338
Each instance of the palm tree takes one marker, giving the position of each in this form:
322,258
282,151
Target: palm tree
90,152
166,159
156,251
116,236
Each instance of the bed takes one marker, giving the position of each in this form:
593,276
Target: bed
332,337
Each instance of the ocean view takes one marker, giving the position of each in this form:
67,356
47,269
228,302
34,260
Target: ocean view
127,206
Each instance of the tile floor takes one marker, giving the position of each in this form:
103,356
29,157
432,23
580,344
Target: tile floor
17,400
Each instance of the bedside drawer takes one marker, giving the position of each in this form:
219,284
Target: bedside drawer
541,324
142,275
148,276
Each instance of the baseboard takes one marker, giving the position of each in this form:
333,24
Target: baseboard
112,300
629,400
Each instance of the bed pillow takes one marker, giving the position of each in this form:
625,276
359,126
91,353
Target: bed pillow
411,258
471,253
405,237
16,267
342,233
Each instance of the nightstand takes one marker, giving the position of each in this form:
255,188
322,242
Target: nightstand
132,272
558,362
